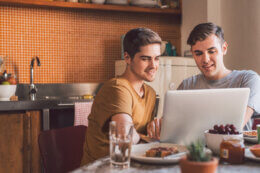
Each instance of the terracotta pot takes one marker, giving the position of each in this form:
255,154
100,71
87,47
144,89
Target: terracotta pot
198,167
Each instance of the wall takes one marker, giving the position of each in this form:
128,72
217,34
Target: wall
193,13
241,24
73,45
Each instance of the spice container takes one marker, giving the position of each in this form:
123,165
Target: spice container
232,150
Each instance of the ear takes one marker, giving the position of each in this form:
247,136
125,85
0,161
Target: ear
127,58
224,48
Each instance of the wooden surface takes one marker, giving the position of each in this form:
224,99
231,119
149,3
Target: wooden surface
19,147
103,165
12,141
92,6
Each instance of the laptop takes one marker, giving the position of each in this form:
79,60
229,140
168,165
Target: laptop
188,113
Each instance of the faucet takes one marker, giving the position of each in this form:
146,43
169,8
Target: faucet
33,89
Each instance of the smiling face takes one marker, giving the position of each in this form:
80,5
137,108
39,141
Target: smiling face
208,55
145,63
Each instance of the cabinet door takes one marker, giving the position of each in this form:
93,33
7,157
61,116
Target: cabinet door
18,141
11,142
34,118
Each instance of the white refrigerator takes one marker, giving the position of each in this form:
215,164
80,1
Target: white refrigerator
171,72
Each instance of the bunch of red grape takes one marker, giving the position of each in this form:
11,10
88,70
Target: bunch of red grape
221,129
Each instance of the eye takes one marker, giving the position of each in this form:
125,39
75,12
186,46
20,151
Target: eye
198,53
145,58
211,51
156,58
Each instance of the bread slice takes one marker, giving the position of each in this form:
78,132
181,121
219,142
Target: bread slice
161,151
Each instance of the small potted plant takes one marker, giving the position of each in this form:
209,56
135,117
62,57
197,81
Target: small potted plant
198,160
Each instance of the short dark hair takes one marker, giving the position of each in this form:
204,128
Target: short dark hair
138,37
203,30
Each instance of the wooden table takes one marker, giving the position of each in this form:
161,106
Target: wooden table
103,166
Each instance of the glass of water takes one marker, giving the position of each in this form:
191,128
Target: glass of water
120,138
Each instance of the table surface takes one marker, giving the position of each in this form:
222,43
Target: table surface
103,166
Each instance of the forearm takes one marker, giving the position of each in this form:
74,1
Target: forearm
136,137
249,113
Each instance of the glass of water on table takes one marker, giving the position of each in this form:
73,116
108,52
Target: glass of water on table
120,139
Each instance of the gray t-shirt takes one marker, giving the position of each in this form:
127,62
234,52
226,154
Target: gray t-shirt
236,79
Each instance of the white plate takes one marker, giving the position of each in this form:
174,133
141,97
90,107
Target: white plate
138,153
251,139
250,155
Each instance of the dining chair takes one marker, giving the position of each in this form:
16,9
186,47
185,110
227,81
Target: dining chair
61,149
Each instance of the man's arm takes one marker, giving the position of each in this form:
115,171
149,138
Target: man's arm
249,113
154,128
126,119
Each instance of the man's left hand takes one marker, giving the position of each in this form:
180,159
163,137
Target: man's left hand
154,128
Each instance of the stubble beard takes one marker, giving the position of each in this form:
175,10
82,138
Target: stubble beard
143,78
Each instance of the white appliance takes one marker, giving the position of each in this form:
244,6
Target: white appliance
171,72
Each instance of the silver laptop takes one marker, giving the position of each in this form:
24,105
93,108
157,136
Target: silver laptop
188,113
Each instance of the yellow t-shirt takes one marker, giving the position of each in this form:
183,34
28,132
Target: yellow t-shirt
116,96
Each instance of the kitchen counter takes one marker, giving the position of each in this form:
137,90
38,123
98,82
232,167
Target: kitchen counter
50,96
39,104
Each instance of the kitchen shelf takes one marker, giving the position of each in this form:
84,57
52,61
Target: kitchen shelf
104,7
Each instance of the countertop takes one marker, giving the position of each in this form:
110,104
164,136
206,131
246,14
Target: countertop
38,104
50,96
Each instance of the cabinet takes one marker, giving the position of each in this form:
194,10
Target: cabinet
19,132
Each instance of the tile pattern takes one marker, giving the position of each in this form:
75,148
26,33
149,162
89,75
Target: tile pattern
74,45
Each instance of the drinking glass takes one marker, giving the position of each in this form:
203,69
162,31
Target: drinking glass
120,138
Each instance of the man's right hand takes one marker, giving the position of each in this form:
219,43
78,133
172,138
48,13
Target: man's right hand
154,128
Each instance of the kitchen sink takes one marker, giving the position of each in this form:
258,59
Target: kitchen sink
74,91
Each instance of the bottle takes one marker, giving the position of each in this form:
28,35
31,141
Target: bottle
173,3
232,150
258,133
174,51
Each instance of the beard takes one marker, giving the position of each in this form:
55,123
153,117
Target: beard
143,76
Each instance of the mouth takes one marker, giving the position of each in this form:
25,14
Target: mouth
208,67
151,72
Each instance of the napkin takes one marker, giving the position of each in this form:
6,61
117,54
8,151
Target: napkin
82,111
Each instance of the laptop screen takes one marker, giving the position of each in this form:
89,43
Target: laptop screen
188,113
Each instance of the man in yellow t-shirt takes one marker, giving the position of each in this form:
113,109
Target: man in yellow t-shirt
125,99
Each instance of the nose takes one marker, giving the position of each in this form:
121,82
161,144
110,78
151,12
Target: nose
154,63
205,58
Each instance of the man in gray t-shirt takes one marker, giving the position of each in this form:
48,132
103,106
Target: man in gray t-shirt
208,48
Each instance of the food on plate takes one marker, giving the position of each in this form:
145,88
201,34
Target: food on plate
221,129
255,149
250,133
161,151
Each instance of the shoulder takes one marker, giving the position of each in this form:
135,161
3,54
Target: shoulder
191,82
246,75
250,74
115,87
116,83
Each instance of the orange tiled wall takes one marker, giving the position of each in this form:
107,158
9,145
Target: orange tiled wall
73,45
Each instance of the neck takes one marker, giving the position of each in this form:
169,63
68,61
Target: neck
221,75
136,83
